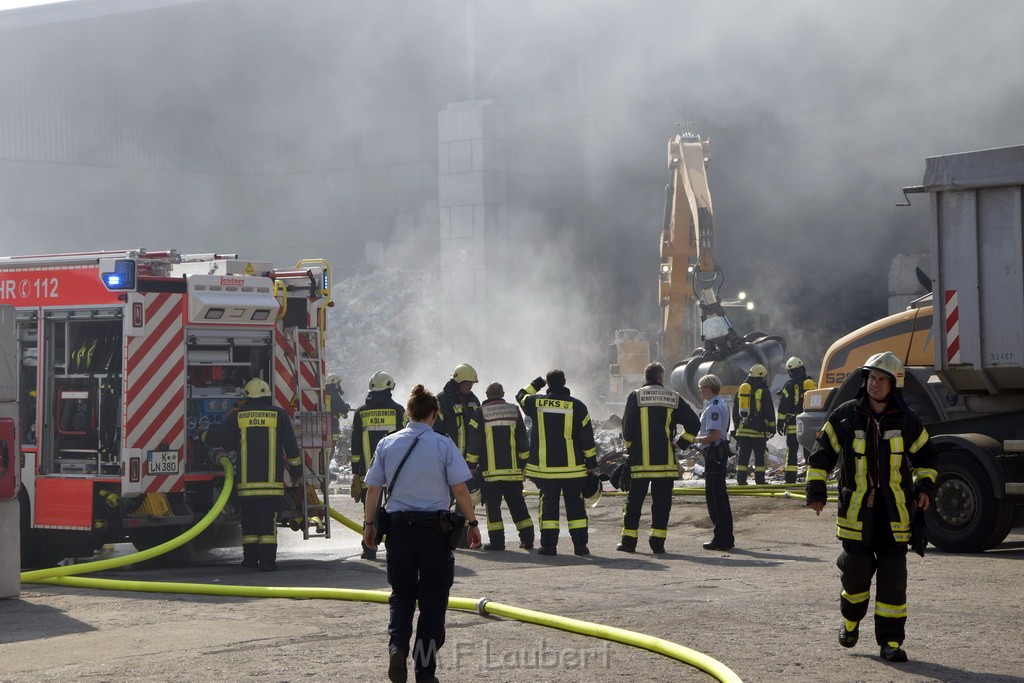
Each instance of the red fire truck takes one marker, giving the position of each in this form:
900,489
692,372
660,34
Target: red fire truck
124,358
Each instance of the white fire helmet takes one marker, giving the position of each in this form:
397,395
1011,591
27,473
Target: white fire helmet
888,363
794,363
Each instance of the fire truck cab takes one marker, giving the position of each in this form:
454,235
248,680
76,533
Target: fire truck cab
124,358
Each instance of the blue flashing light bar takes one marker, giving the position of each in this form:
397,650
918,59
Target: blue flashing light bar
122,278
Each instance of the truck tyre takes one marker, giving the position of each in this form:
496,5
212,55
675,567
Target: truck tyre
965,517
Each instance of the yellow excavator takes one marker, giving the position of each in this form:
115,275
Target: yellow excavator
697,336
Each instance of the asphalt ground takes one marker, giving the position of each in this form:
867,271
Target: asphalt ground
767,609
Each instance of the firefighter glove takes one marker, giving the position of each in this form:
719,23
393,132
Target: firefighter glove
781,427
357,488
919,533
539,383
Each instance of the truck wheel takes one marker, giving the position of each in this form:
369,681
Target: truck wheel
965,517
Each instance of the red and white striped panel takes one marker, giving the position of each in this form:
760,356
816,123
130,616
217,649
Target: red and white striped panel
309,372
284,372
952,328
154,388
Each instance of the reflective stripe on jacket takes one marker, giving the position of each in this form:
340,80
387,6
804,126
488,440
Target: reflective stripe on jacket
497,441
648,427
562,436
753,412
791,401
371,422
884,461
264,437
454,412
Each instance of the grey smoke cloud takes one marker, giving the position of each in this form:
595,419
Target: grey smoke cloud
286,130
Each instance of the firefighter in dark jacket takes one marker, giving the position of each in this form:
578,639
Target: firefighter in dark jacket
264,438
336,405
499,448
379,416
791,403
649,424
458,402
886,470
562,452
753,414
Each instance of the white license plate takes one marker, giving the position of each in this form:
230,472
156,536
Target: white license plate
163,462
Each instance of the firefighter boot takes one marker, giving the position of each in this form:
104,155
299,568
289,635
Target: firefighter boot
495,541
268,557
526,538
657,545
249,558
892,652
626,545
848,636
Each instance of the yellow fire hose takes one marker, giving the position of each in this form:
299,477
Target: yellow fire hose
63,576
100,565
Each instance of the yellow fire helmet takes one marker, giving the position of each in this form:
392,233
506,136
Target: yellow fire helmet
381,381
888,363
256,388
794,363
758,370
464,373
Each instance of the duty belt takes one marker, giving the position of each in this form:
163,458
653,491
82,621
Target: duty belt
415,518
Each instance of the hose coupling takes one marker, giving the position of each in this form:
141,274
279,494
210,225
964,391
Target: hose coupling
481,606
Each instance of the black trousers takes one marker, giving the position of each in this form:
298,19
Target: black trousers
791,459
421,567
571,490
859,563
716,461
512,493
661,506
258,517
747,445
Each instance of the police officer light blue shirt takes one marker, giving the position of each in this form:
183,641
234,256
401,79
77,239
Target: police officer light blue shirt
714,416
433,467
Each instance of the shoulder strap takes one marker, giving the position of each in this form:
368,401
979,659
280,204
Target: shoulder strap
387,491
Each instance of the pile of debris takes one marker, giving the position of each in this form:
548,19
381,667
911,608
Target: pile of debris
380,321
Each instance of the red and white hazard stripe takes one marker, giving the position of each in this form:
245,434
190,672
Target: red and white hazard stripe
952,328
284,372
309,372
154,388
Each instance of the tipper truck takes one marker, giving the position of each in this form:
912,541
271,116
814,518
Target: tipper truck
963,347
